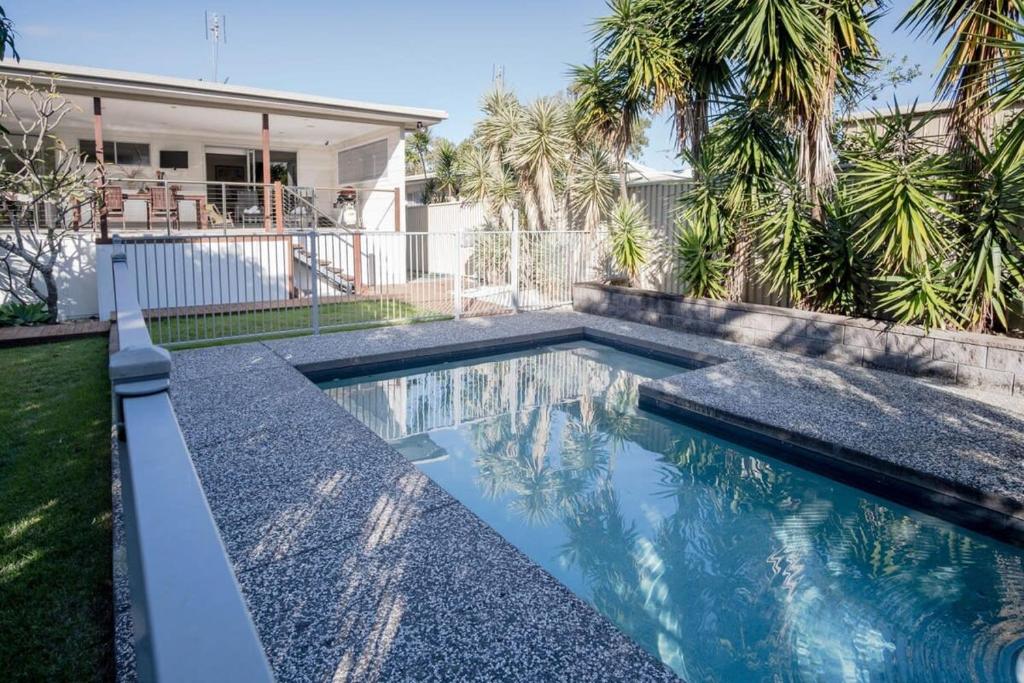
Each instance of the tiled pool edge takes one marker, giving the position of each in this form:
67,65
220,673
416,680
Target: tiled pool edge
375,363
952,501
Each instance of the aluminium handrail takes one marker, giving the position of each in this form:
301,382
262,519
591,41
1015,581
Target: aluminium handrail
190,621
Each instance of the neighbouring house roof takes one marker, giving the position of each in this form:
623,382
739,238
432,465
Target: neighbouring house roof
84,80
919,108
638,174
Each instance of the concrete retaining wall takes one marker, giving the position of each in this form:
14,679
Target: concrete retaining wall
990,362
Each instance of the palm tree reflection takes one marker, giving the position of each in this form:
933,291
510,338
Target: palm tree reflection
724,563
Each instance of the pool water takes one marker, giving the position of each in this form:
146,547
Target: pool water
722,561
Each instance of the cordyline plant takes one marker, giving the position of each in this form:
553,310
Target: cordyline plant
42,186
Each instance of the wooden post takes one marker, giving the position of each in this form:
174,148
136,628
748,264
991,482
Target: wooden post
357,263
398,207
101,181
266,173
279,206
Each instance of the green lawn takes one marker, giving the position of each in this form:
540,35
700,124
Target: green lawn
277,321
55,528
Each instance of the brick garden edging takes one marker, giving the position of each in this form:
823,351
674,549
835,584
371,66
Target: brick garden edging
42,334
990,362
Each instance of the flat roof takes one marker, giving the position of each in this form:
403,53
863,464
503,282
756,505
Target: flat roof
918,109
85,80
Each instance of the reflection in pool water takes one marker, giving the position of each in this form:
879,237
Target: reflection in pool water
725,563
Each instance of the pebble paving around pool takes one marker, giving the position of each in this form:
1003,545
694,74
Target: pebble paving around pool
356,566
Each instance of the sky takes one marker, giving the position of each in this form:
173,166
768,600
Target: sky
440,54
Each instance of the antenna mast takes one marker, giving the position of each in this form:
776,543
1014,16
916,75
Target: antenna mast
216,33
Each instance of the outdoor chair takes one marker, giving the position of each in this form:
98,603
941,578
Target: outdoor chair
113,200
247,208
162,204
216,220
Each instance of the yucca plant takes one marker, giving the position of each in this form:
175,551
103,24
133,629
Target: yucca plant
785,234
922,297
592,189
902,192
840,277
446,171
629,234
540,152
989,268
703,265
606,112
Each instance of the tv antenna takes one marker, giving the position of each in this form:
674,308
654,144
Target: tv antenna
216,33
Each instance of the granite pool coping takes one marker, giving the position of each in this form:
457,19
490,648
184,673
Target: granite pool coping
354,564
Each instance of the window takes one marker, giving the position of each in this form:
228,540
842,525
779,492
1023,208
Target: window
124,153
365,162
173,159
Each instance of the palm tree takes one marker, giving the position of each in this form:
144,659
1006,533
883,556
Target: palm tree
419,143
446,172
605,112
540,151
592,187
794,55
668,51
980,38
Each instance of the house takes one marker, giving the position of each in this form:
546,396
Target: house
185,153
933,118
195,159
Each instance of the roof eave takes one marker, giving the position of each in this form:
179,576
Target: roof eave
124,85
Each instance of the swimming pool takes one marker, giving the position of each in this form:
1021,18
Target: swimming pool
726,563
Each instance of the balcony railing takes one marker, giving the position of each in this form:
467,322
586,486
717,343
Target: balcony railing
160,205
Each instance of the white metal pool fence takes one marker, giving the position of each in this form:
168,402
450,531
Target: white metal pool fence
206,287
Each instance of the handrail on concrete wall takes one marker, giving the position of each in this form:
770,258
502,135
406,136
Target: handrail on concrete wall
189,618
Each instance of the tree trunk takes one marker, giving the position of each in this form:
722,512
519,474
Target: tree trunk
51,293
698,129
740,259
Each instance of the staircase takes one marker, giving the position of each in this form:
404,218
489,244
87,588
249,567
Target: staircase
301,212
327,273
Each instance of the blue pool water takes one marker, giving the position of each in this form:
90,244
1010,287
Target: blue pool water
724,562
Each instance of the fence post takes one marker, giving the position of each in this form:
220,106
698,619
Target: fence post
457,290
312,210
167,205
514,264
314,287
357,262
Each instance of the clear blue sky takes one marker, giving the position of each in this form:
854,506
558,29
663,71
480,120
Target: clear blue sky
436,53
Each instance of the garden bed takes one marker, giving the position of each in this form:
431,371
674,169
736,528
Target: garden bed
988,362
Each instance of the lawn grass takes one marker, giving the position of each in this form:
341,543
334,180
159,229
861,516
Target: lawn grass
56,619
277,322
